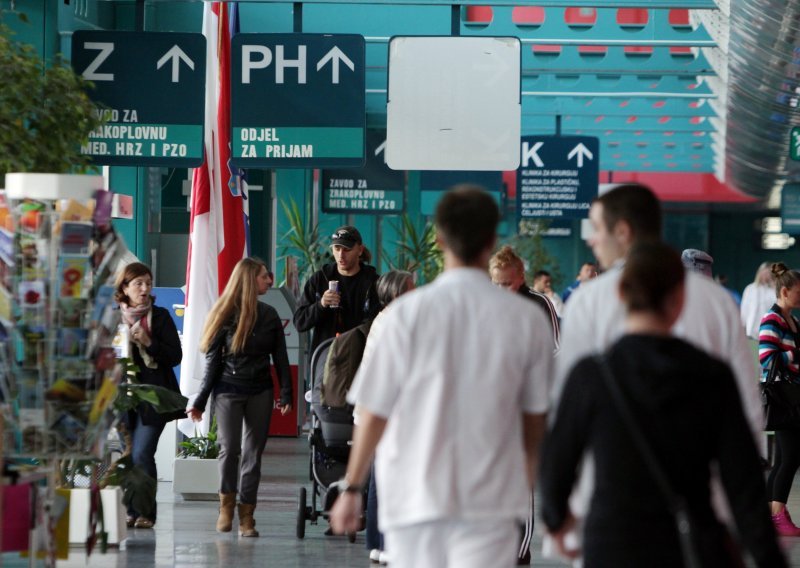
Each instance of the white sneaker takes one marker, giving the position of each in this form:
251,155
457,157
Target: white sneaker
375,555
383,558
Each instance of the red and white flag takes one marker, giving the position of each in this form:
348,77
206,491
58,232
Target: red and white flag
218,231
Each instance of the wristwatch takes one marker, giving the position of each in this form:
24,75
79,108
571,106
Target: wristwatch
347,487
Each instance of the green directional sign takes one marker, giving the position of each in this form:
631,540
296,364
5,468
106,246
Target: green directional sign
373,188
297,100
794,144
150,87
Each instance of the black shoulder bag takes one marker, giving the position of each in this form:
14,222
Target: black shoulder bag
780,398
676,503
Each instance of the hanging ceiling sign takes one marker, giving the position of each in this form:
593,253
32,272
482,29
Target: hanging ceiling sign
373,188
558,176
150,88
297,100
434,184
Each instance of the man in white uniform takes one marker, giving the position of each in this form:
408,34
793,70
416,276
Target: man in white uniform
595,315
454,398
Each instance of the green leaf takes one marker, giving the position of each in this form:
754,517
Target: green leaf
45,111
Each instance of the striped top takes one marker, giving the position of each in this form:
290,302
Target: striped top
775,338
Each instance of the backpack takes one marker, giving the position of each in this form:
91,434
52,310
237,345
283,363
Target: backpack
344,357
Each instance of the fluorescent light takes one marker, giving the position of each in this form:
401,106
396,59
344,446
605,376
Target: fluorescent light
771,225
777,241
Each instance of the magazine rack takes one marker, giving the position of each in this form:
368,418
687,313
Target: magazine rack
58,371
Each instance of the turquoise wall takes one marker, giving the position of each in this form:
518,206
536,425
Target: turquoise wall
728,236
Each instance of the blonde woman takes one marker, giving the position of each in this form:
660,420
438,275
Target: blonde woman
240,336
757,298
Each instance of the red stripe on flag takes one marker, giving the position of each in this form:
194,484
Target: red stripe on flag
232,219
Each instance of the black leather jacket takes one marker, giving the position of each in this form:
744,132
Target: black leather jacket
249,369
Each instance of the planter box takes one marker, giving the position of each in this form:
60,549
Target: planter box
196,479
113,515
52,186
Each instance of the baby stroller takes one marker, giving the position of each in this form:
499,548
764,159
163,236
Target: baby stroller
329,438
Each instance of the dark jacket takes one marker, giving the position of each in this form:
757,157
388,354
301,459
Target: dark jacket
327,322
689,410
549,310
248,371
165,348
342,363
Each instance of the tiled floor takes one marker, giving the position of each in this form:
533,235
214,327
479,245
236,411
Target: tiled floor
185,535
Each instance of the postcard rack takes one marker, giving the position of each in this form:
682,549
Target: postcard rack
58,372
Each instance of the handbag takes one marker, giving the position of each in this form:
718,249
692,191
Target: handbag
780,398
677,504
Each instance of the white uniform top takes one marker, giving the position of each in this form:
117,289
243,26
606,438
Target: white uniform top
595,319
757,299
454,366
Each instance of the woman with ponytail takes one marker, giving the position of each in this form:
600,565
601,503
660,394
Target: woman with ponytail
778,338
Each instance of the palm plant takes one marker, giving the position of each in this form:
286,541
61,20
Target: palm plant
417,251
304,240
529,245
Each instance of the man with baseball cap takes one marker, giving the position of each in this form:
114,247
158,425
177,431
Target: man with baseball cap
341,295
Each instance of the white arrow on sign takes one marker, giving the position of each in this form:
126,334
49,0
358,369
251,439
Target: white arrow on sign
176,54
335,55
581,151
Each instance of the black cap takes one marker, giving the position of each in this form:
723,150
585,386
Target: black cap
346,236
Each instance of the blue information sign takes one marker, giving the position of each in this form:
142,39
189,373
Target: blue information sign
373,188
558,176
297,100
150,87
790,208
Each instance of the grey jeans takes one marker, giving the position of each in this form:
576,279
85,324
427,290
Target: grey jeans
232,411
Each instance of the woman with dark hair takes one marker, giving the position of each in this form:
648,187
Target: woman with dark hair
688,411
241,335
390,286
778,345
155,348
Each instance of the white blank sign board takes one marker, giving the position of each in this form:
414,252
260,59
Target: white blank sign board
453,103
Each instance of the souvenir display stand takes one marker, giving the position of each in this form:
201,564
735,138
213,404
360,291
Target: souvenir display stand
58,372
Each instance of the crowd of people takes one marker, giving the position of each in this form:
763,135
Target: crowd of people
630,401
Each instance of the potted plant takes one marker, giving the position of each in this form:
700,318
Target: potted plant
304,240
46,116
120,484
417,251
196,475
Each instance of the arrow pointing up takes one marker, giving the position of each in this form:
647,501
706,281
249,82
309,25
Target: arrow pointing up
335,55
581,151
176,54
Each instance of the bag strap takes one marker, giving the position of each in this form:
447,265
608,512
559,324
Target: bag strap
775,366
676,503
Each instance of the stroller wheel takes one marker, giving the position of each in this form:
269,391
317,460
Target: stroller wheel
351,537
301,513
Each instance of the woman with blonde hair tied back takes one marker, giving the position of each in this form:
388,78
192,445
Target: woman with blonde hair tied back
778,345
240,336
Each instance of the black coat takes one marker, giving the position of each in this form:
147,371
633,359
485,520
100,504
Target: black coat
689,410
327,322
165,348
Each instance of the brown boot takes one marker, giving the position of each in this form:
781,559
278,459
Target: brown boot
227,503
247,524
